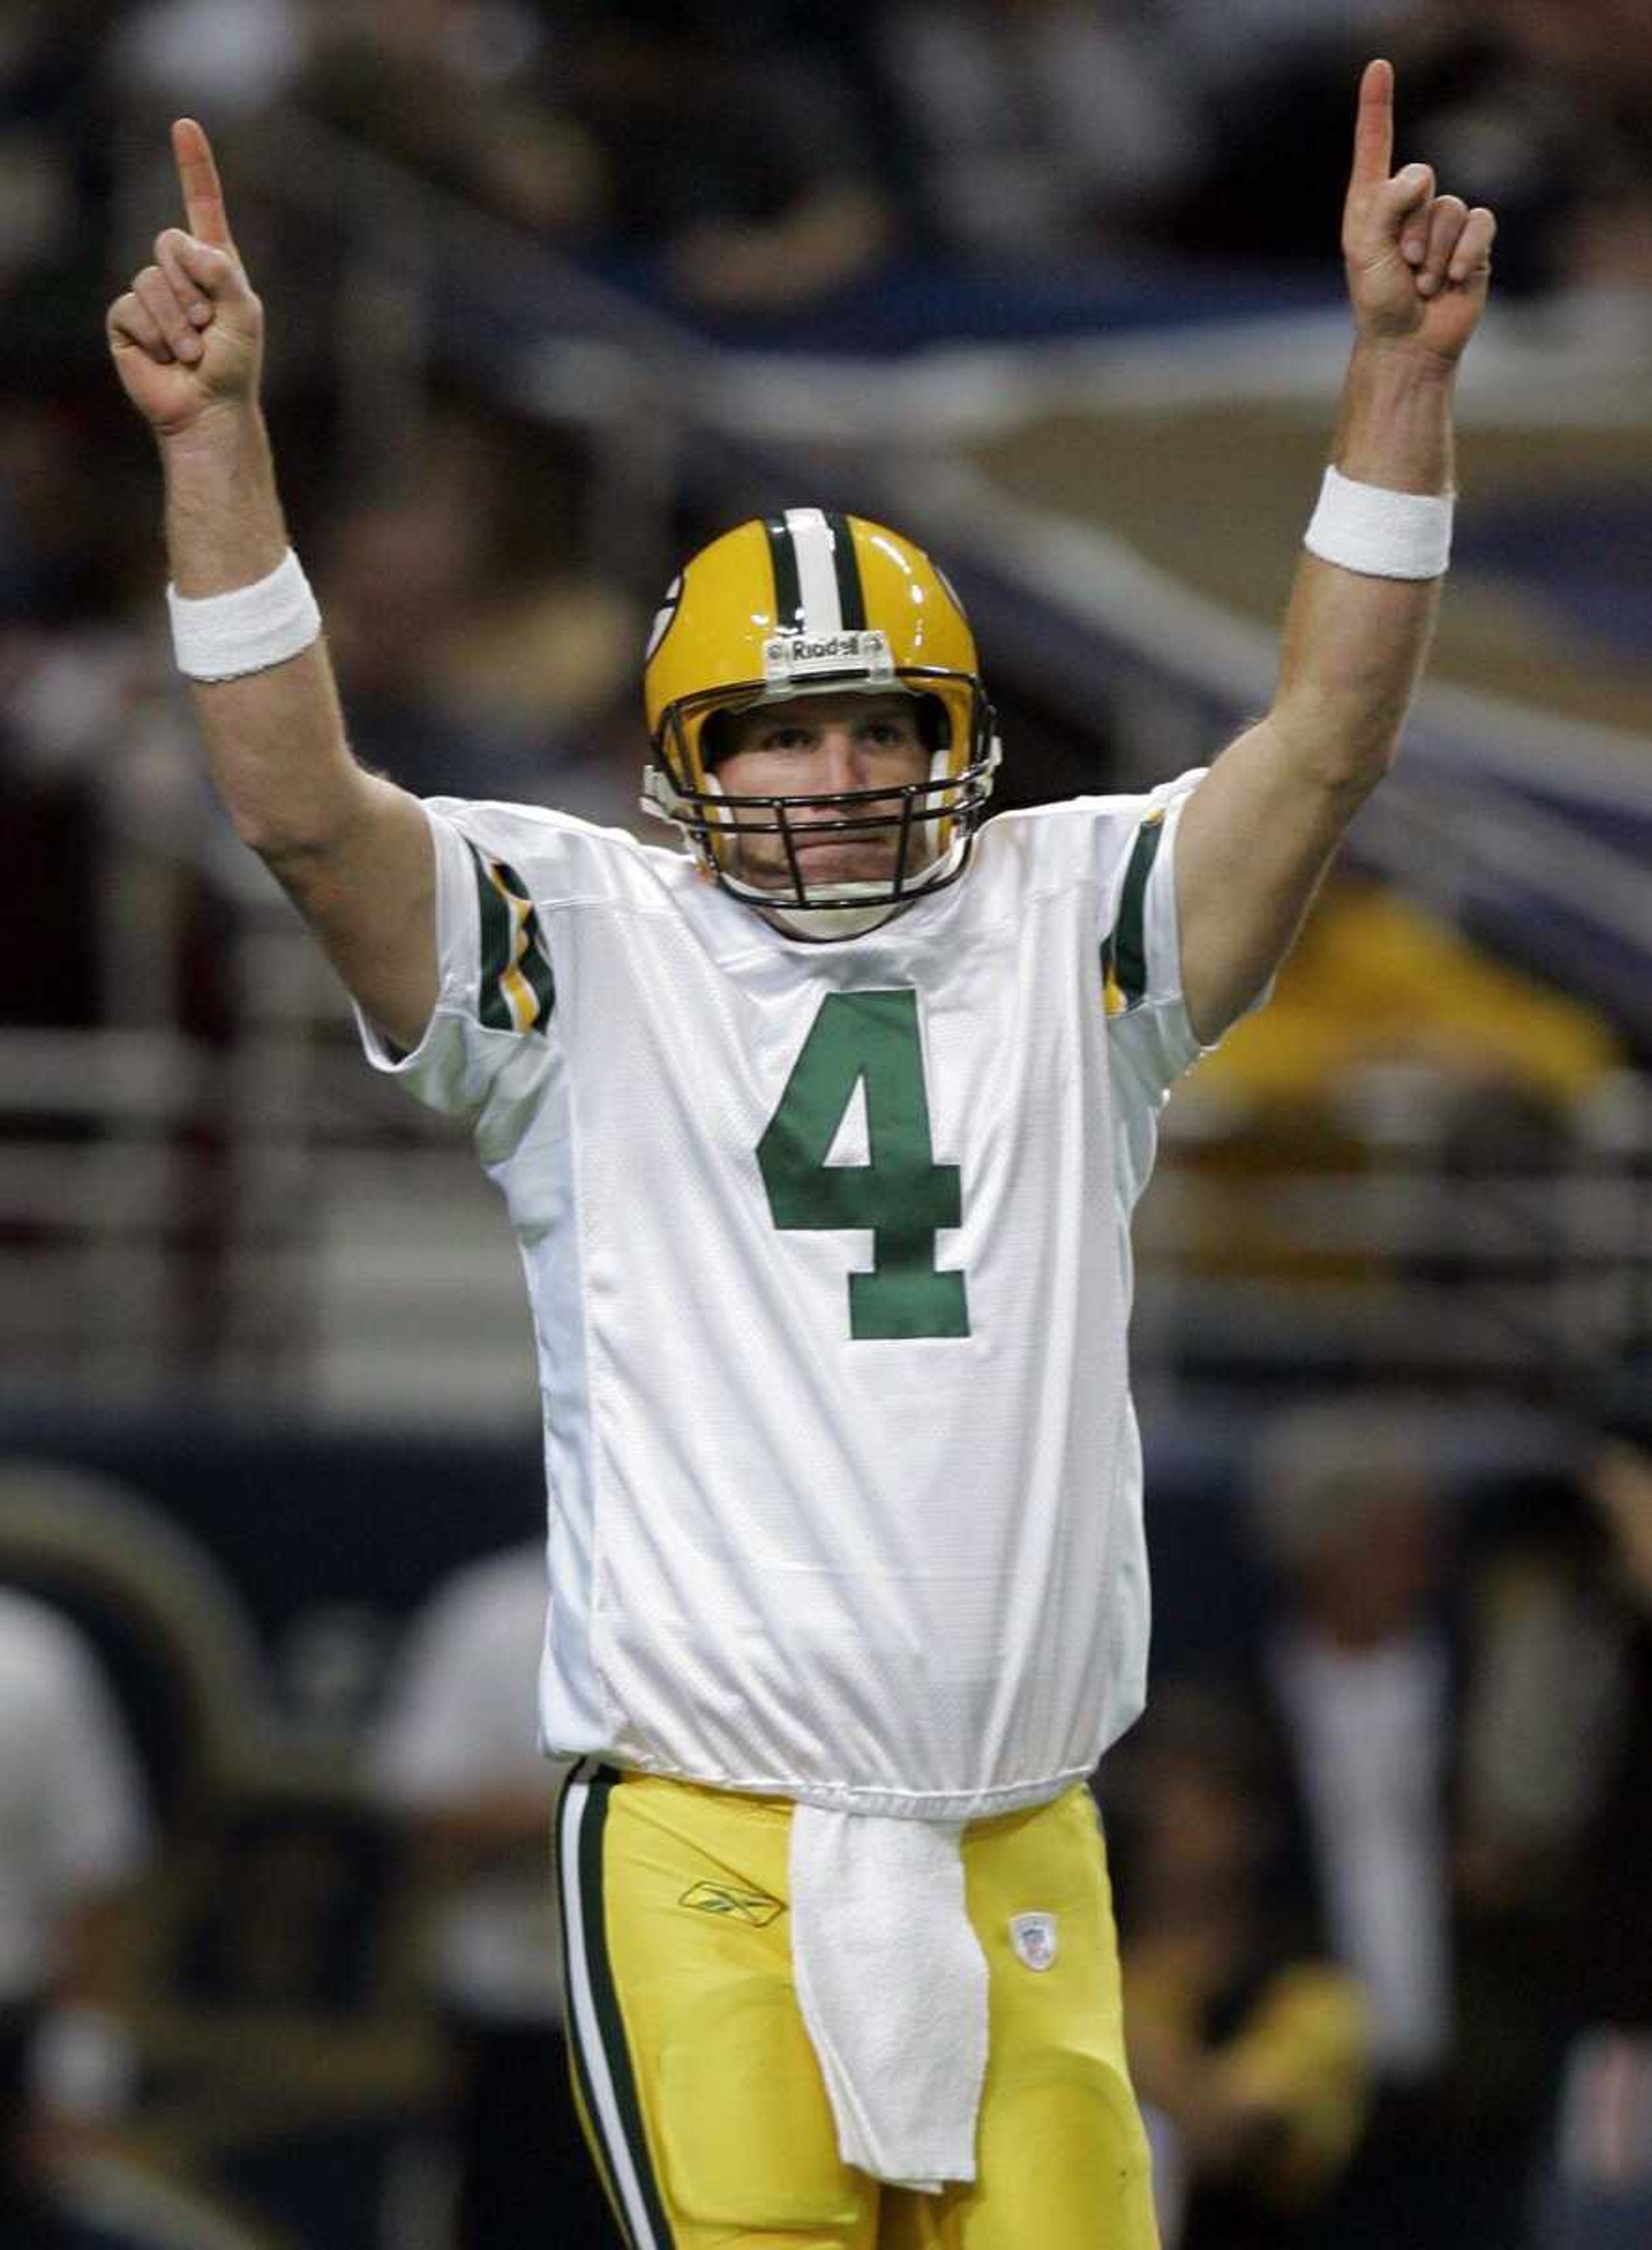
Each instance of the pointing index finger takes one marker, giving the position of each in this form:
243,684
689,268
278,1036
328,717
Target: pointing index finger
202,193
1374,126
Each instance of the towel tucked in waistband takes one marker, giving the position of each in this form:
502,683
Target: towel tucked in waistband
893,1986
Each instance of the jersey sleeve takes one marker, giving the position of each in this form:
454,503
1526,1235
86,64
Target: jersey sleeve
489,1047
1152,1034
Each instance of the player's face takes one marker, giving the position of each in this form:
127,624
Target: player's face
824,745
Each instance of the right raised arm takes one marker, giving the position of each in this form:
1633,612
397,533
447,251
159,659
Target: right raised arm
352,850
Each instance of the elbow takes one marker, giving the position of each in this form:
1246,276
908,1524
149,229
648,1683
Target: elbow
1342,753
254,828
285,830
279,844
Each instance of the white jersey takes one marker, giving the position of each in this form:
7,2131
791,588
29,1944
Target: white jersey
828,1257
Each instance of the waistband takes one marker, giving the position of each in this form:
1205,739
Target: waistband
768,1807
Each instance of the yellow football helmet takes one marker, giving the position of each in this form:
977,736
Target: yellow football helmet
816,603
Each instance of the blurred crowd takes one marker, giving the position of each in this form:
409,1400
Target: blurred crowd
1376,1880
761,153
743,164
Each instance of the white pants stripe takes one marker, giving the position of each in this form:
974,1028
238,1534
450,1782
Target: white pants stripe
585,1970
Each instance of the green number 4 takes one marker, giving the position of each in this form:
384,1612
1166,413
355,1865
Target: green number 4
904,1196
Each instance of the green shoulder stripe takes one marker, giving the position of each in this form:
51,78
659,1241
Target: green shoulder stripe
517,991
1124,949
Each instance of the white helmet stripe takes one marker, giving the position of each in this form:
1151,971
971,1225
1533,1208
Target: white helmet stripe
817,574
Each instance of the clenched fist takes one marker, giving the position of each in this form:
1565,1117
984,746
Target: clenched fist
1418,264
188,336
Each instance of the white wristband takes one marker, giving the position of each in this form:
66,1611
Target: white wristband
1382,533
226,636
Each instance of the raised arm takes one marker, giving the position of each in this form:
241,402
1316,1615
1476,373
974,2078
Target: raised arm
352,850
1260,831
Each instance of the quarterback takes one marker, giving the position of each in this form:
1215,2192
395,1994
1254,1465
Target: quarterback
819,1130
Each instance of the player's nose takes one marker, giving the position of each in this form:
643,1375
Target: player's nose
840,763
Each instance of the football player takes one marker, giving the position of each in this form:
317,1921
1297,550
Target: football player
820,1141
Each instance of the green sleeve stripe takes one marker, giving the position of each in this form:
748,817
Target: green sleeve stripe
495,949
516,991
1128,940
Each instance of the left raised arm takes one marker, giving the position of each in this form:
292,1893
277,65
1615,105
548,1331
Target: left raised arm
1260,831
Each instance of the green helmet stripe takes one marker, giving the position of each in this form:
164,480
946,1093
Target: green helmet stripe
847,563
788,586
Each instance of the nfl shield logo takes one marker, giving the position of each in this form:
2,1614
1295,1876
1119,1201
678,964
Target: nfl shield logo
1034,1937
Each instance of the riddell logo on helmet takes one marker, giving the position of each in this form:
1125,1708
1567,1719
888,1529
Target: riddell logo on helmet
788,655
798,648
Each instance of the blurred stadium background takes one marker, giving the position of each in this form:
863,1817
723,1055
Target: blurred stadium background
554,294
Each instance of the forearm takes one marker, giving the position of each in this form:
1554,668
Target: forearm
1354,644
275,739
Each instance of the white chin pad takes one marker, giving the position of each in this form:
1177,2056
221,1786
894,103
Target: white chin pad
830,919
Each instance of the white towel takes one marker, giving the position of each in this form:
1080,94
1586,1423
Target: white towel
892,1982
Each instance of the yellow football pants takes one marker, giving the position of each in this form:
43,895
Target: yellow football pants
698,2090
